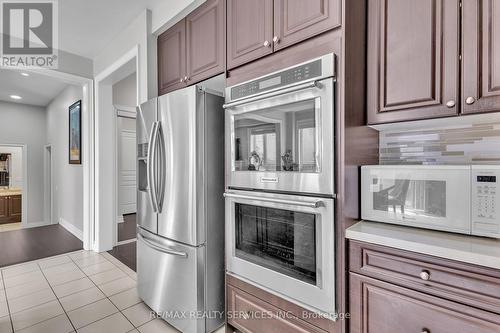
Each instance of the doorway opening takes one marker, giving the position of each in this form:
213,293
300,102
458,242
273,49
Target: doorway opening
13,188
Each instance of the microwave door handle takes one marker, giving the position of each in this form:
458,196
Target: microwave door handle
302,86
310,204
161,248
150,167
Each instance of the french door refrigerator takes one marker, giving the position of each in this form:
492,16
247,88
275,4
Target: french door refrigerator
180,208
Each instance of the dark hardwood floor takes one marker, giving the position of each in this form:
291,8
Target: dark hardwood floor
127,230
36,243
127,254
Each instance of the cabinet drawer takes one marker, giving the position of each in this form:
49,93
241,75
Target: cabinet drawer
468,284
382,307
251,314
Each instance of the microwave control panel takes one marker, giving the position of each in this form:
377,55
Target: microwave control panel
486,200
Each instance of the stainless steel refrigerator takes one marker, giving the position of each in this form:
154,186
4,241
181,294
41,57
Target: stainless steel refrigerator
180,208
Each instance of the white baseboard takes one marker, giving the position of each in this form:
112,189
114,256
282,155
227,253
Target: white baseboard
120,219
71,228
34,224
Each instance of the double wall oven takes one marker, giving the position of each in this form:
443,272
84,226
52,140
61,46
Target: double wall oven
280,220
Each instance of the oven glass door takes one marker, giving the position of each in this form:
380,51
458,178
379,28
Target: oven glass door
283,141
437,198
284,244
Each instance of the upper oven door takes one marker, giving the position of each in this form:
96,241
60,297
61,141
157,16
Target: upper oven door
433,197
284,244
283,140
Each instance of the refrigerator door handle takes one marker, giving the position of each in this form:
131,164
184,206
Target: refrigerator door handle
150,169
160,182
161,248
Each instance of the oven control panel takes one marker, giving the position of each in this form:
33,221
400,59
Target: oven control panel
486,200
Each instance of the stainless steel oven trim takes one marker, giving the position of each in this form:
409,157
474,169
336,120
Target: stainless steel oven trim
306,203
319,297
322,181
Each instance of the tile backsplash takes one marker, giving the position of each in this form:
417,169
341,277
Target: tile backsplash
474,142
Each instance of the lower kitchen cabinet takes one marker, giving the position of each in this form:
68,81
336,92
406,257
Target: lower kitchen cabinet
394,291
4,209
10,209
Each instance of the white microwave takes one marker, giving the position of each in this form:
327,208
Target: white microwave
461,199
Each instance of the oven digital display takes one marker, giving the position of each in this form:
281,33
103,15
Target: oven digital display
486,179
270,83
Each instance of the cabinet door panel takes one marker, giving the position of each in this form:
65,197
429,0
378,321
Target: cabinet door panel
297,20
205,41
172,58
381,307
413,59
249,26
4,208
15,206
481,56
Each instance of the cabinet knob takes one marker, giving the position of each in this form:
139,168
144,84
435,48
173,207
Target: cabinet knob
181,80
276,39
425,275
470,100
266,43
425,330
186,78
450,104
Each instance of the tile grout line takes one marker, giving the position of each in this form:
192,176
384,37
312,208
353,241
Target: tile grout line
6,301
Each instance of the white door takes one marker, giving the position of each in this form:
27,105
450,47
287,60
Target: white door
127,166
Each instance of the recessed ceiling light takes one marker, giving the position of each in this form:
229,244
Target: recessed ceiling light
25,74
15,97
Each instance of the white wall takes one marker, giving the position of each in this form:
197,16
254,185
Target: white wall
16,165
67,178
167,13
25,124
125,91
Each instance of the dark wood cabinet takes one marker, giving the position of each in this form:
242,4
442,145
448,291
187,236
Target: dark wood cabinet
481,56
377,306
297,20
193,49
260,27
172,58
249,30
413,59
10,209
205,41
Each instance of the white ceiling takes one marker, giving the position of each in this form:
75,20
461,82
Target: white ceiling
86,26
37,89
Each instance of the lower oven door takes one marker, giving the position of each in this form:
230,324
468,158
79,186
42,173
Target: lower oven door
283,244
170,279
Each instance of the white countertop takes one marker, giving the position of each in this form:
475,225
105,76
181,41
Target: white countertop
470,249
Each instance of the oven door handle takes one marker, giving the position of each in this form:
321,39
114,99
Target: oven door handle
310,204
313,84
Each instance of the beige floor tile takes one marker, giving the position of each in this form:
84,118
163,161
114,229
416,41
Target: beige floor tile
59,324
77,300
90,260
73,287
107,276
26,289
116,323
117,286
2,294
36,315
54,261
19,269
4,309
59,269
139,314
126,299
5,325
31,300
81,254
55,280
23,279
90,313
98,268
221,330
157,326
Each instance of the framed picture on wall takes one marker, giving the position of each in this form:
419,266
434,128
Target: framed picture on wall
75,133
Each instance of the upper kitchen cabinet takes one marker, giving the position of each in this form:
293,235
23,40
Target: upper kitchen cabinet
172,58
481,56
249,30
297,20
259,27
205,41
193,49
413,59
